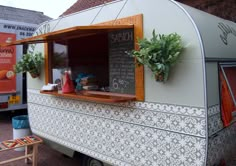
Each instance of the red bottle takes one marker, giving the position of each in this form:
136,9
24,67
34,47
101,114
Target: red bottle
68,87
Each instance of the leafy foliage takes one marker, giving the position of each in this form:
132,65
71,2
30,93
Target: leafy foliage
30,63
159,53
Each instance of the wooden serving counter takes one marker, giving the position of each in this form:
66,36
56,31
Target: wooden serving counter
96,96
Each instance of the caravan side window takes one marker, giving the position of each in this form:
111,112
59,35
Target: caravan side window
228,92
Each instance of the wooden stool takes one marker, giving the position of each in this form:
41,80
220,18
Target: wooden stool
27,142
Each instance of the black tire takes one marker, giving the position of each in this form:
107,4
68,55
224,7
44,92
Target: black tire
89,161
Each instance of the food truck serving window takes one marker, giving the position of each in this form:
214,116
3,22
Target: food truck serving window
99,65
97,59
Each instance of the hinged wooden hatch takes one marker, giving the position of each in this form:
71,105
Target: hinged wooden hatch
69,33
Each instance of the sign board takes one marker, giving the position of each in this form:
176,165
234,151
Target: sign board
121,64
7,61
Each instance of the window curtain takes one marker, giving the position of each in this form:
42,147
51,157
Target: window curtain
227,104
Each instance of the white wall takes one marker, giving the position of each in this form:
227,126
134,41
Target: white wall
186,84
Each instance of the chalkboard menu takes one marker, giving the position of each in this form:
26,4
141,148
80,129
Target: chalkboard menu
121,64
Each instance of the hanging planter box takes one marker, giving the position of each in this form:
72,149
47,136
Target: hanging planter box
159,54
159,77
34,75
30,63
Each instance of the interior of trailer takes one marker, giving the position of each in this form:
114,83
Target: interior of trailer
93,58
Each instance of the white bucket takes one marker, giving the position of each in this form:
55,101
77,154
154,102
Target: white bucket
19,133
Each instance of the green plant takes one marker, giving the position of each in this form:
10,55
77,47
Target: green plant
159,53
30,63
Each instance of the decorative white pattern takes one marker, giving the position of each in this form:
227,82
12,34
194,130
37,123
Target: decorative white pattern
214,120
214,124
222,146
168,108
159,118
164,108
212,110
116,142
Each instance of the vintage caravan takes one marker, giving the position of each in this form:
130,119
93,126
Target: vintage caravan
188,120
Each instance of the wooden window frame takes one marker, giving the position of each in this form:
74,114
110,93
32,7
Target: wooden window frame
227,96
223,66
137,22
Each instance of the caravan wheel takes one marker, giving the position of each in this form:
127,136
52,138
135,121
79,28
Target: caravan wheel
89,161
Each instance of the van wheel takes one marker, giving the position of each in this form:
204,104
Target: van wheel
89,161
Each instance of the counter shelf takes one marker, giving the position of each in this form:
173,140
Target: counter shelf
96,96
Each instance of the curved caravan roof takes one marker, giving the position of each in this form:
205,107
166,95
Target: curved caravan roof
204,36
218,35
165,16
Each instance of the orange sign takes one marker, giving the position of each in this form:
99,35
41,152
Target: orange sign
7,61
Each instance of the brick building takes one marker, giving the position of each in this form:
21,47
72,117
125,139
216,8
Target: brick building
225,9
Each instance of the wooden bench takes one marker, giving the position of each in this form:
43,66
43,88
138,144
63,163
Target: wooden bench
27,142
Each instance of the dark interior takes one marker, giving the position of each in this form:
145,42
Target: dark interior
89,55
100,58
